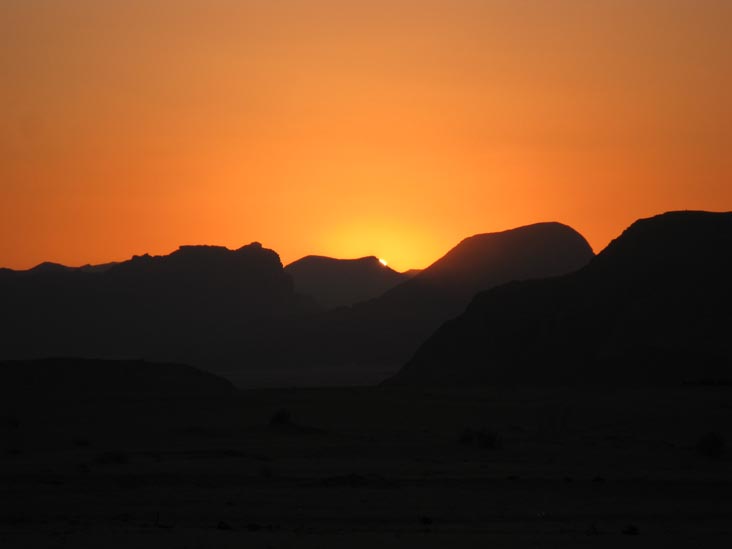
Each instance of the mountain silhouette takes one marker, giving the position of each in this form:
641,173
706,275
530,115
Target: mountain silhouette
195,305
386,330
654,307
338,282
237,310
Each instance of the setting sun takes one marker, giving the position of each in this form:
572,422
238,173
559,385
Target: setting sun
383,262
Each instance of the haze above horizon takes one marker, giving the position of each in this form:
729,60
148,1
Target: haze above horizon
349,129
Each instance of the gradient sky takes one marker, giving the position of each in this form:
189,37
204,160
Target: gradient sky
390,128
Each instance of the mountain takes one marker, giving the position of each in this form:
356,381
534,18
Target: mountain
386,330
195,305
338,282
237,311
654,307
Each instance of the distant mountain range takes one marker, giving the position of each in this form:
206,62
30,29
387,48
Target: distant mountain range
654,307
240,310
50,267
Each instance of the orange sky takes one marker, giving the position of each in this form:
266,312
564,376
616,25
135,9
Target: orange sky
393,128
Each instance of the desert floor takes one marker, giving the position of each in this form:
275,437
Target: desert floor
370,467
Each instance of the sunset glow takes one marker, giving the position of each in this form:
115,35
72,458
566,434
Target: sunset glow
352,129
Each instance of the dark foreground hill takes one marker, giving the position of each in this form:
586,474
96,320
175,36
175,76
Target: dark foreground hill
654,307
78,378
385,331
338,282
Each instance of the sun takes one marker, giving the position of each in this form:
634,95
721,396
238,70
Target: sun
383,262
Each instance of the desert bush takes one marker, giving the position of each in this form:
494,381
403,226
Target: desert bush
117,457
266,472
81,442
711,445
479,438
281,417
9,423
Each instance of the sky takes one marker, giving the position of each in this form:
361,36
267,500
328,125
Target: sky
345,128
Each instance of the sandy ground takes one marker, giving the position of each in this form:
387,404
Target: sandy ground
369,468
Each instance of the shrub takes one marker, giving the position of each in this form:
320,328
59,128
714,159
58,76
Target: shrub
281,417
479,438
112,458
711,445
